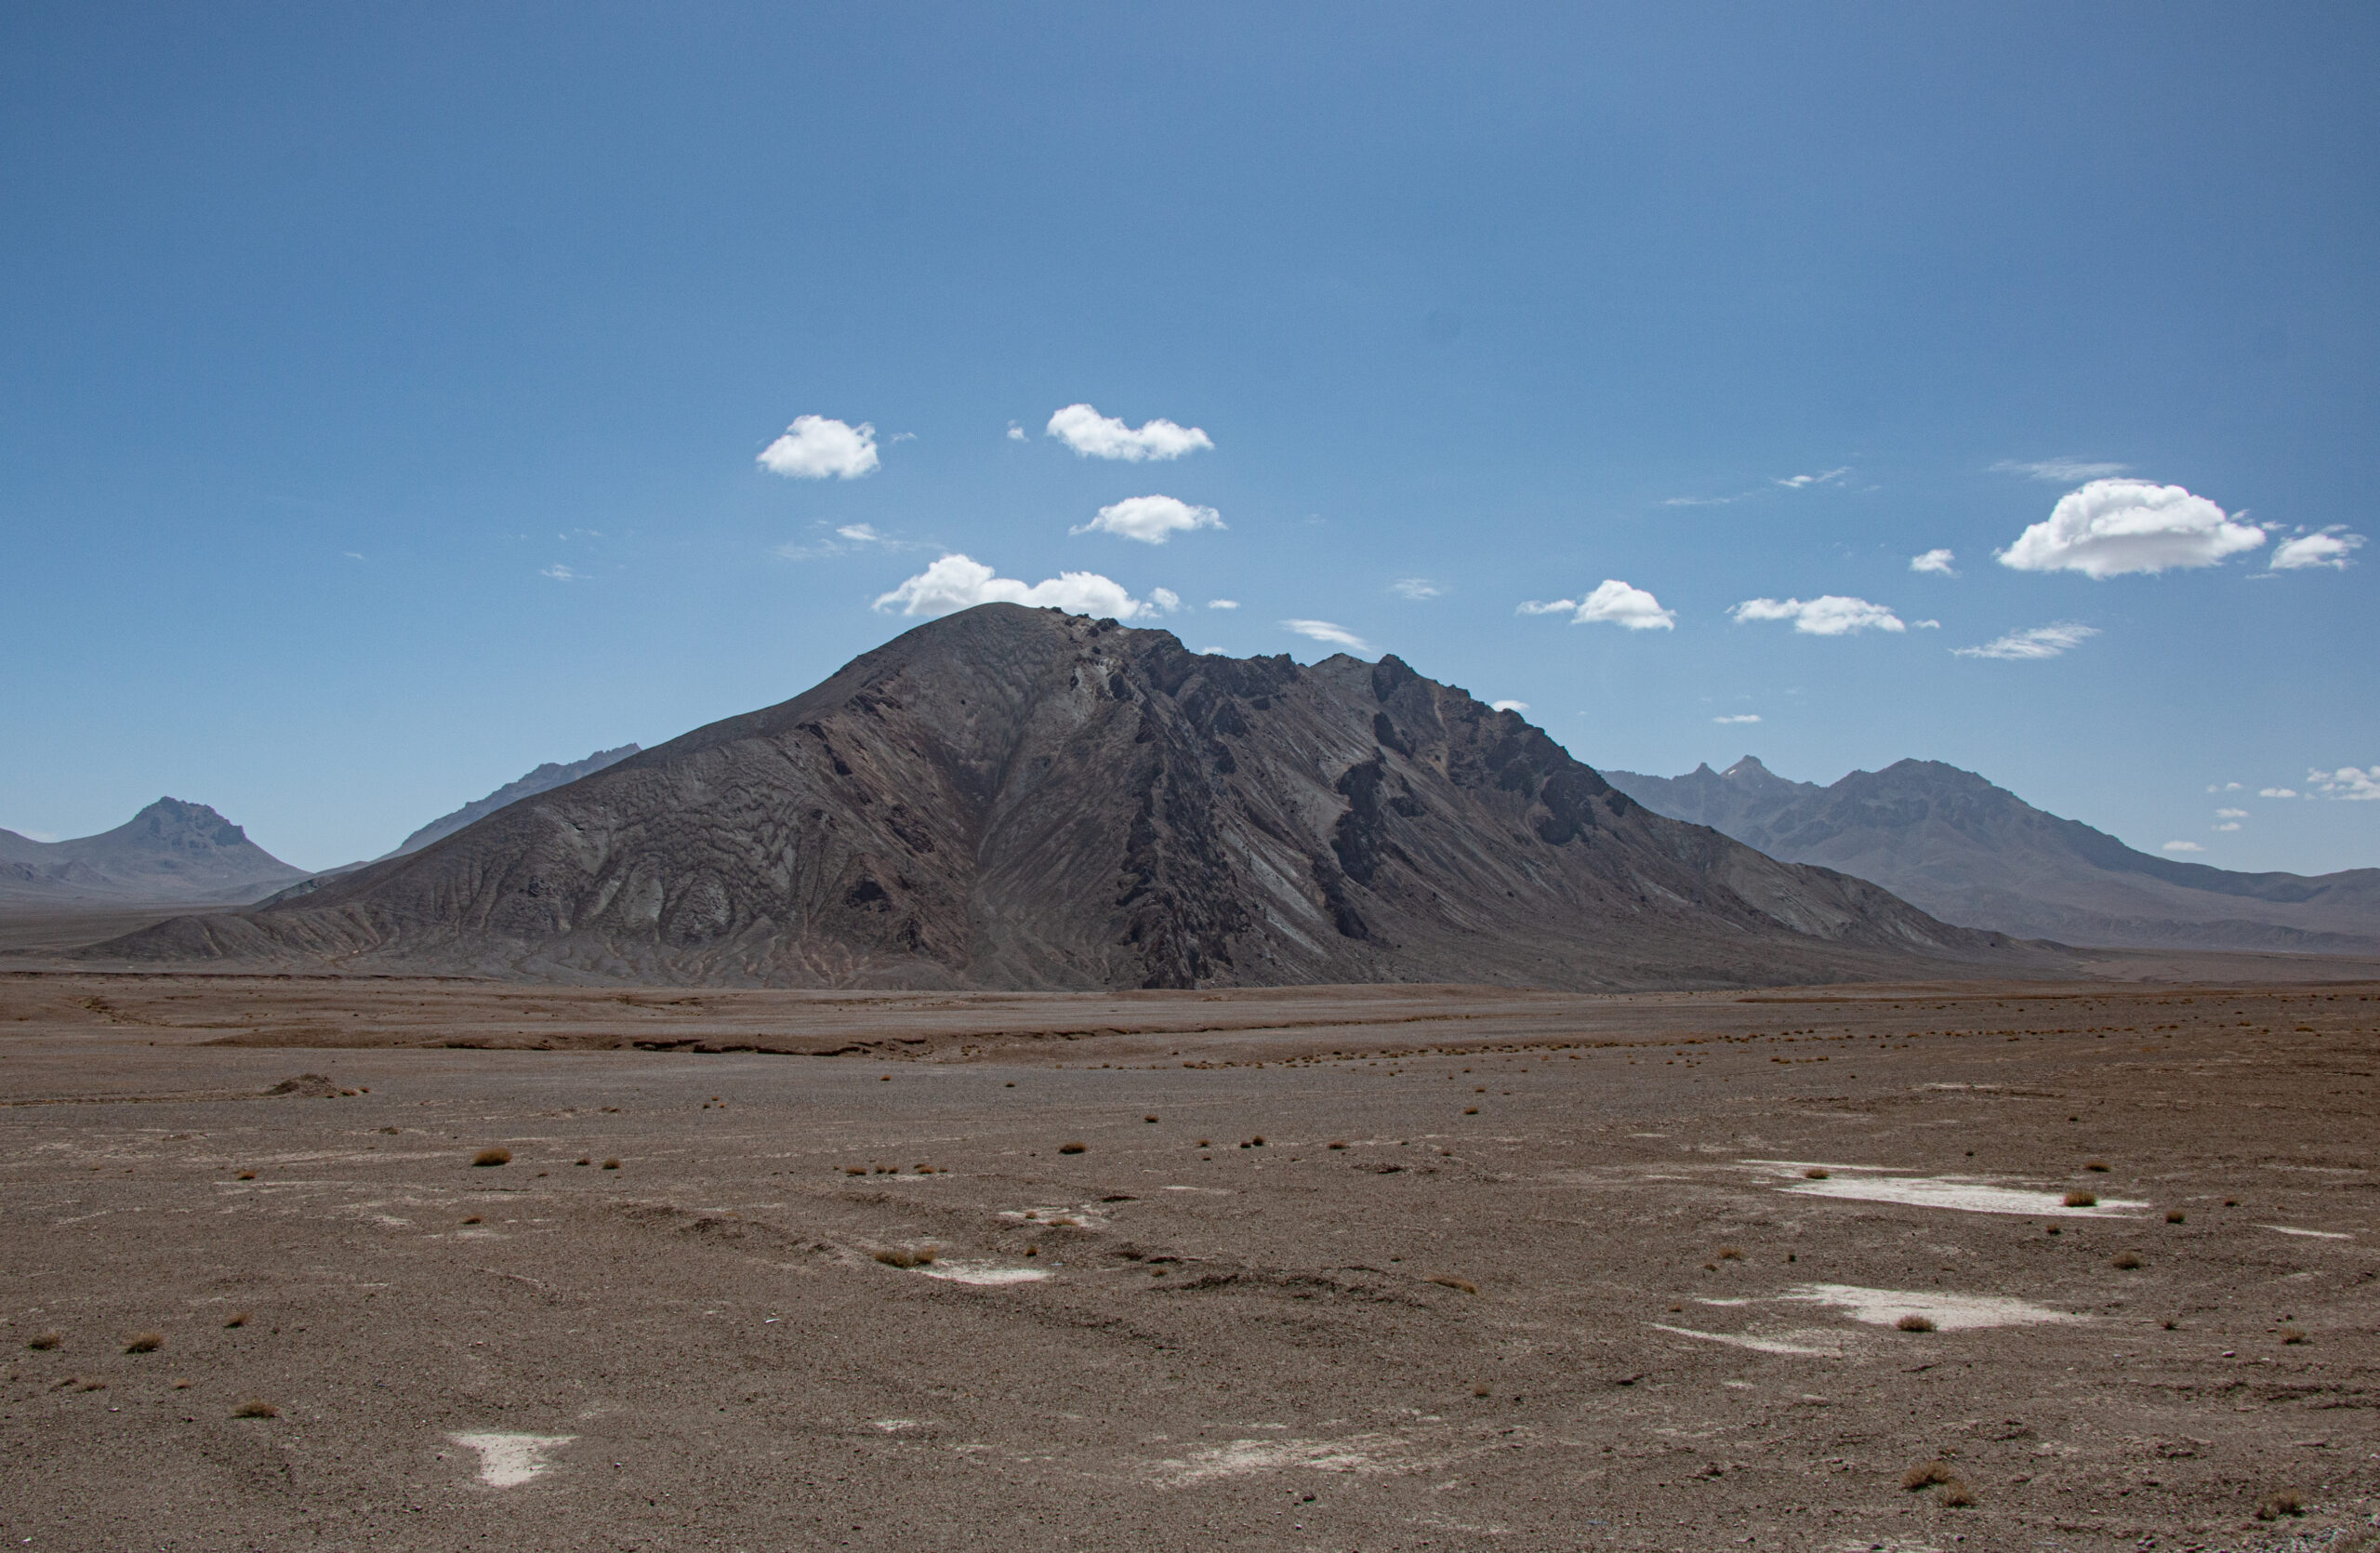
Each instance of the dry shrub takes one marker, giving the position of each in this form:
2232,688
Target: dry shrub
2095,1164
2174,1215
1256,1142
1817,1173
245,1175
1202,1143
1482,1391
237,1317
2230,1201
909,1256
492,1157
1731,1254
45,1339
1957,1495
144,1342
2287,1501
1072,1147
1925,1474
854,1170
1915,1322
181,1383
255,1407
2126,1260
1148,1119
2082,1200
2292,1334
1471,1110
611,1165
584,1159
1338,1143
473,1220
1460,1285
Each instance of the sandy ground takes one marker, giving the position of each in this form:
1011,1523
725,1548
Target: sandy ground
1505,1271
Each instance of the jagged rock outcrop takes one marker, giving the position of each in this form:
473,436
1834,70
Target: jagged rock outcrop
1018,798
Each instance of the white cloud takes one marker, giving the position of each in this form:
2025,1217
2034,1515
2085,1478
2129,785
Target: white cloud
1739,717
2228,825
2276,792
2348,782
1935,561
1150,519
1097,436
1508,705
1829,614
2329,547
2060,472
2112,526
1699,500
2224,786
2040,641
2231,813
1165,600
1415,588
1214,652
957,582
862,534
560,573
1925,625
1223,604
1015,433
1323,630
1802,481
1613,602
352,555
2183,846
816,447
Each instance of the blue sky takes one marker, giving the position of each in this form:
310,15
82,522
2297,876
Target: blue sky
383,389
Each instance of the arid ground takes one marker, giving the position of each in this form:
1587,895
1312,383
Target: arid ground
1339,1268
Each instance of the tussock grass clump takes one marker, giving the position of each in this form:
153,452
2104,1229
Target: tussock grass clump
2174,1215
1731,1254
2099,1165
1148,1119
584,1160
909,1256
144,1342
1915,1322
1957,1495
1925,1474
2292,1334
237,1317
1471,1110
1460,1285
1203,1143
1817,1173
854,1170
2287,1501
1072,1147
255,1407
473,1220
245,1175
182,1383
1338,1143
2082,1200
611,1165
1482,1391
45,1340
2126,1260
492,1157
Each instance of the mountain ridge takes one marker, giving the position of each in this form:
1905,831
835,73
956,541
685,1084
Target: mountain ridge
171,850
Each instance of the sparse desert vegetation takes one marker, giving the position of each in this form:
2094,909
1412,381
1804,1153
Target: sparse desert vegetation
144,1342
489,1157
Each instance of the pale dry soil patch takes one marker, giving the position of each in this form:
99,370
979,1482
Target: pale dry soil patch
1506,1271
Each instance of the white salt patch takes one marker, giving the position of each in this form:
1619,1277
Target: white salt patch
982,1273
895,1425
2317,1234
1204,1191
1961,1193
1087,1216
510,1460
1757,1345
1701,1301
1948,1312
1240,1458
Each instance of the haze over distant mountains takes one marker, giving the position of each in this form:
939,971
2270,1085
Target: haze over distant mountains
1971,853
169,852
552,774
1019,798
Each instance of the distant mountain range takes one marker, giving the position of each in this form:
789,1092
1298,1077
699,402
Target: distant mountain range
1973,854
1020,798
545,778
169,852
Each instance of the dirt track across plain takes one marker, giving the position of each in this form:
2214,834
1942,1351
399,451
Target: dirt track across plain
1505,1270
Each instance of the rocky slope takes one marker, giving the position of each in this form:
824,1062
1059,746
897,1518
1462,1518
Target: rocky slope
170,851
1973,853
552,774
1018,798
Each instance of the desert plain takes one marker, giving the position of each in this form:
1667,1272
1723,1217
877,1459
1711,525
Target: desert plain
2081,1264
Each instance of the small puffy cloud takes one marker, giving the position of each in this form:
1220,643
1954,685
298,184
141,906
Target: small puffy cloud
560,573
1802,481
1829,614
2329,548
1939,562
2183,846
2276,792
2040,641
862,534
1165,600
957,582
2231,813
1612,603
1150,519
2224,786
1508,705
2348,782
2228,825
2060,472
1223,604
816,447
1415,588
1097,436
2109,527
1324,631
1739,717
1015,433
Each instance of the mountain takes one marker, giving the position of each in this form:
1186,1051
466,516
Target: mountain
545,778
1974,853
170,851
1019,798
